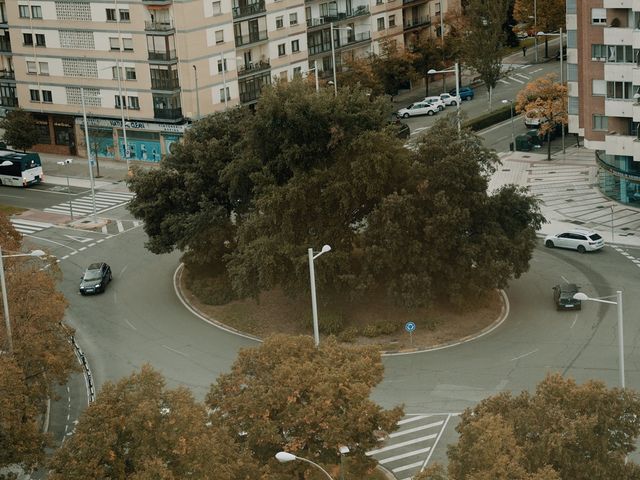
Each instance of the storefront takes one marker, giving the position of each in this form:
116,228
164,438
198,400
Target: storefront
55,134
147,142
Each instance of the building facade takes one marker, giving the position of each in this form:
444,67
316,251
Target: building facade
156,65
603,75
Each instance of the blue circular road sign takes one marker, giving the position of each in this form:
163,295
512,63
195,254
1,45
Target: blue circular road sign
410,327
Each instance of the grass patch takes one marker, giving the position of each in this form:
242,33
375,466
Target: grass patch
11,210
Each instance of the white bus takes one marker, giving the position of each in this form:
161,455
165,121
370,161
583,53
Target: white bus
20,169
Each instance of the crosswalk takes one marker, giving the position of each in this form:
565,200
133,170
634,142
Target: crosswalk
27,227
407,450
516,73
114,227
84,205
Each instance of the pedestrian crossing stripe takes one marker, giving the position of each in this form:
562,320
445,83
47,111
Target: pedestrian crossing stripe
84,205
401,444
29,226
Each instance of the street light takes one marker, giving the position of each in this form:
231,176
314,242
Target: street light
286,457
64,163
561,71
458,100
315,74
333,57
314,305
513,131
343,451
86,139
583,297
3,285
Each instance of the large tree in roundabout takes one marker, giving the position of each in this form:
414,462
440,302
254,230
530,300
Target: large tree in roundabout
246,194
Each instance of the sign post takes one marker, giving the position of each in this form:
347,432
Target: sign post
410,327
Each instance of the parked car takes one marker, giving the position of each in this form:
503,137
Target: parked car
533,119
448,99
418,108
436,101
580,240
466,93
563,297
403,130
564,54
95,278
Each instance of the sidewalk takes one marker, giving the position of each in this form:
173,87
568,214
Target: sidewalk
570,198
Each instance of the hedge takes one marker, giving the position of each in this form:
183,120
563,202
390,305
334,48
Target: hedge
496,116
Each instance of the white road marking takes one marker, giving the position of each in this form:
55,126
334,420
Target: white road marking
574,320
414,418
130,324
79,239
401,444
516,80
404,455
503,81
564,279
175,351
416,429
524,355
407,467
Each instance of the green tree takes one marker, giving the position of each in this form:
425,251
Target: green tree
394,67
139,429
20,130
482,43
549,16
428,54
287,394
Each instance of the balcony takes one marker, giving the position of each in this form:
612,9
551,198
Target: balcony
165,84
614,107
158,26
249,9
5,45
167,113
157,2
8,101
617,144
253,68
163,56
355,39
417,22
251,38
341,16
415,2
7,75
352,40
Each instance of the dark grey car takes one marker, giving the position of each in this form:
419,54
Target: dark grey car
563,297
95,278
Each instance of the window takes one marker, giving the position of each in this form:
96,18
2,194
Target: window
381,23
392,21
297,71
281,50
598,52
219,36
599,16
36,11
46,96
293,19
120,102
295,46
124,15
111,14
620,54
571,6
24,11
130,73
572,72
27,38
134,103
222,99
619,90
378,2
573,107
216,8
279,22
128,44
220,63
35,95
116,73
600,122
44,68
114,44
31,67
598,87
40,40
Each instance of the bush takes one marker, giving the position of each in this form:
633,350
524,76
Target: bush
211,290
488,119
331,323
348,335
370,331
387,328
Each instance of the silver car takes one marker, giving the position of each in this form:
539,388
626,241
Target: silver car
580,240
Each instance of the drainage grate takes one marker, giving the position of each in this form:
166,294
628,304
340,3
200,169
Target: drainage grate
551,172
625,228
506,169
569,200
570,190
600,206
577,222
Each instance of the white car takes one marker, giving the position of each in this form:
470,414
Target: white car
436,102
449,99
580,240
533,119
418,108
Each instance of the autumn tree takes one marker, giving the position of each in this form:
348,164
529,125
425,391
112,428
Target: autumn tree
139,429
20,130
546,99
482,43
428,54
549,16
287,394
561,431
358,72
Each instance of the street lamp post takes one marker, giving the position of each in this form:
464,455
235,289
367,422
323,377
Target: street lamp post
86,140
583,297
535,28
286,457
333,58
561,72
314,305
195,75
315,74
64,163
458,99
5,300
513,131
343,451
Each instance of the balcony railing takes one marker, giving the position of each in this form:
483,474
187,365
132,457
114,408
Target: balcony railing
164,83
165,56
245,70
8,101
167,113
157,2
417,22
5,45
357,38
250,9
251,38
158,26
358,12
246,97
351,40
7,75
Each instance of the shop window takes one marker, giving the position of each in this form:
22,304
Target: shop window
42,126
62,131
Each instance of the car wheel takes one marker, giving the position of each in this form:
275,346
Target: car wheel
454,103
440,108
430,112
581,249
406,115
82,293
470,98
548,244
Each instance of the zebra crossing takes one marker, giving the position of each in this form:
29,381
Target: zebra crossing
28,227
83,206
407,451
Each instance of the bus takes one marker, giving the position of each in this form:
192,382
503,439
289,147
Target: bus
19,169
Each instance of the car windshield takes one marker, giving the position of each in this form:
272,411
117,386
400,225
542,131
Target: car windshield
595,236
92,275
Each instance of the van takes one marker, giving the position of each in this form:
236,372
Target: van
533,119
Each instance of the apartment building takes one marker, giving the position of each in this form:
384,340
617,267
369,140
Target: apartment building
156,65
603,74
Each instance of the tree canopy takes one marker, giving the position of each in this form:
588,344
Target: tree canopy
550,15
247,194
561,431
20,130
287,394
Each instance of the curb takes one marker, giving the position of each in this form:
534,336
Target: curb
504,313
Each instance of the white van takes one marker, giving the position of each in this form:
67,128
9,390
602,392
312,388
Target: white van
533,119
